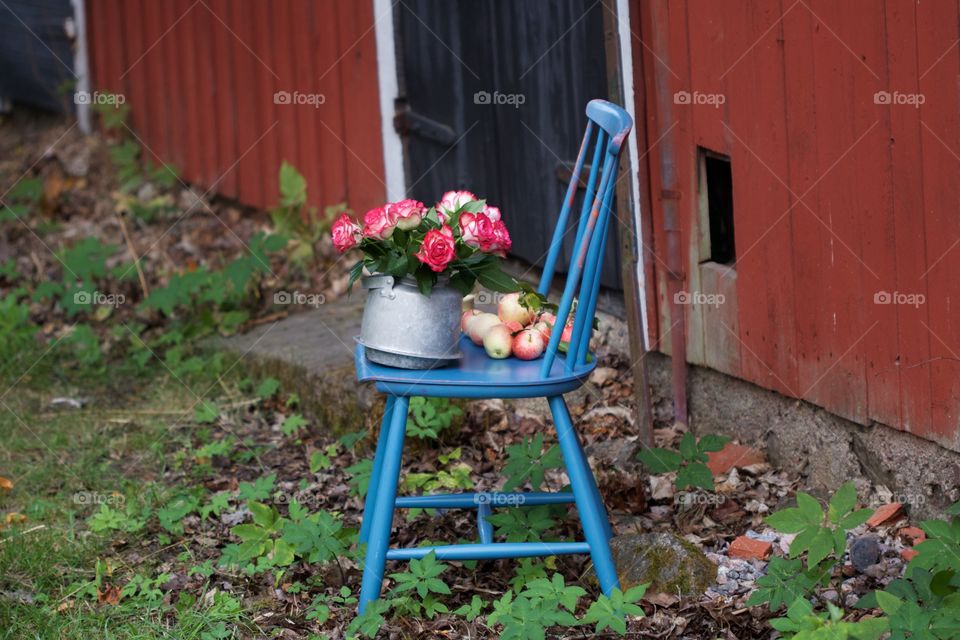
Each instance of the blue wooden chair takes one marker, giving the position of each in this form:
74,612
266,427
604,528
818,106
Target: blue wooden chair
478,376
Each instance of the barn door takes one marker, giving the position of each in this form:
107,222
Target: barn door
492,98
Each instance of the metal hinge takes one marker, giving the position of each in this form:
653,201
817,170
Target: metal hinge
410,122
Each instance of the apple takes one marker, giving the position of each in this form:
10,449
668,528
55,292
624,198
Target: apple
567,333
528,344
544,324
548,317
511,309
465,318
543,327
497,341
478,325
514,326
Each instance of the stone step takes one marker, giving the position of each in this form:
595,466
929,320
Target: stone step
311,354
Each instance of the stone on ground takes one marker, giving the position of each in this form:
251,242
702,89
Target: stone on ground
668,563
750,548
864,552
886,514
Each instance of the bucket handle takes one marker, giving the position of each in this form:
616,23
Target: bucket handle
384,283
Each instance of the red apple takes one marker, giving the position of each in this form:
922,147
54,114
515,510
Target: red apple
497,341
542,327
548,317
514,326
528,344
478,325
510,309
567,333
465,318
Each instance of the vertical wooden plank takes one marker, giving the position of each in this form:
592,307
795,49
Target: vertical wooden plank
326,41
204,26
267,151
283,33
100,44
169,51
225,98
833,374
361,105
873,209
708,63
245,69
191,136
765,292
722,345
305,149
804,170
940,113
154,123
651,30
908,202
677,63
134,76
685,158
113,62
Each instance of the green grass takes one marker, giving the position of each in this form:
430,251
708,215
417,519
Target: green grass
61,462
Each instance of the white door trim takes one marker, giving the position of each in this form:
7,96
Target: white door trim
629,99
393,167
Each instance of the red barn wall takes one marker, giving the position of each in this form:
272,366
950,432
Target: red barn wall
200,78
838,198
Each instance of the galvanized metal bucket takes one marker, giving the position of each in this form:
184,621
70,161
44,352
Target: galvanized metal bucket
403,328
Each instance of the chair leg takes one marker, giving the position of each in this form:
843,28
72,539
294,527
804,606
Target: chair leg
595,489
370,504
386,489
590,507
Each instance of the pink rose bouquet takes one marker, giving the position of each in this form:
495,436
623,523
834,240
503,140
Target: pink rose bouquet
460,239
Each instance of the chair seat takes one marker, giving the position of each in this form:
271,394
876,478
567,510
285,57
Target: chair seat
475,375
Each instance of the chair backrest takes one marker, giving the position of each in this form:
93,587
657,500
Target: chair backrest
607,126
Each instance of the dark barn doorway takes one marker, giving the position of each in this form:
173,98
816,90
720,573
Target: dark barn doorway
492,98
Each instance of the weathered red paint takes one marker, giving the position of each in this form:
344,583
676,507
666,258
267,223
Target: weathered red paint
837,198
200,80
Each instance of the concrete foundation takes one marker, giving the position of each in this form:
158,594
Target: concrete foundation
825,449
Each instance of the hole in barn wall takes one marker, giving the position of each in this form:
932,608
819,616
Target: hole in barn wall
716,183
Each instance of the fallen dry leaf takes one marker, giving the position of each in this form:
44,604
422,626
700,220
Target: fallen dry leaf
109,595
5,484
14,517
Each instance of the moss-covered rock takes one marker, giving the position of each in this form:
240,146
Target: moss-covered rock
668,563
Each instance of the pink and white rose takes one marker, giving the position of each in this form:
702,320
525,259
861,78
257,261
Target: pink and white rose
491,212
452,201
502,242
379,223
476,229
407,213
438,248
346,233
